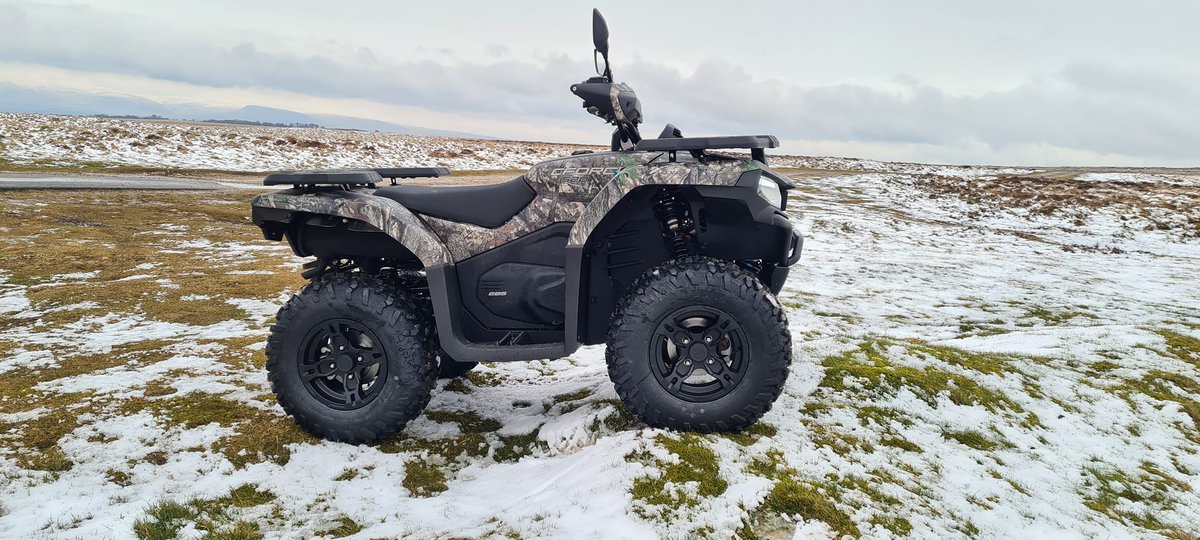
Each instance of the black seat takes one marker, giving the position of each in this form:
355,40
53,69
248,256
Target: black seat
487,206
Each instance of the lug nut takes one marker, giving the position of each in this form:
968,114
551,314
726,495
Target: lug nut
686,341
708,339
342,348
687,362
710,361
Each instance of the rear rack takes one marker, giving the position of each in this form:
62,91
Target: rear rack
351,177
756,144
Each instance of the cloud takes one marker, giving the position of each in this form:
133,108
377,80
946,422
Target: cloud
1095,110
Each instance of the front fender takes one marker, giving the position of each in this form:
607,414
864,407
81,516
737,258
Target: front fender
718,173
382,213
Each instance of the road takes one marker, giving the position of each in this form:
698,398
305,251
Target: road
68,181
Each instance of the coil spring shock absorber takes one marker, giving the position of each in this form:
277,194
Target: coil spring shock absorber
676,219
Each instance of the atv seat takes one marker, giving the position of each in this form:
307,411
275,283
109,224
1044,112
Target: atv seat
487,206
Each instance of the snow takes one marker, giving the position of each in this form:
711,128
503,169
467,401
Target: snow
74,139
883,259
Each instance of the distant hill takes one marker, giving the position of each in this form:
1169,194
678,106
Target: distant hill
24,99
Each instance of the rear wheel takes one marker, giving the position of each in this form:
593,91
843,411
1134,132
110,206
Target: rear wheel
700,345
350,359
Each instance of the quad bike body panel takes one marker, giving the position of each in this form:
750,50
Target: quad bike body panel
543,254
360,205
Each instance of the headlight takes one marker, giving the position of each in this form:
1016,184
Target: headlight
770,191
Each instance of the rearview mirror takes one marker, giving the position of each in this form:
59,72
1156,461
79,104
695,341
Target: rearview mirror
601,63
599,32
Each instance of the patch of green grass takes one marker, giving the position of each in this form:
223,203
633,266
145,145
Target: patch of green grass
263,437
458,386
882,416
81,166
345,527
752,434
423,479
450,448
793,498
199,408
869,364
901,443
216,516
157,457
843,316
991,363
163,521
979,328
1165,386
895,524
514,447
1181,346
39,438
468,422
120,478
814,408
620,419
974,439
239,530
1055,316
696,464
767,466
1103,366
1106,487
573,396
258,435
837,440
243,496
472,441
480,377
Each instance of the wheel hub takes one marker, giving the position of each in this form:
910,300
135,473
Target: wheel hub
342,364
699,353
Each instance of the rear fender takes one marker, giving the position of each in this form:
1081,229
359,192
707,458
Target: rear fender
389,216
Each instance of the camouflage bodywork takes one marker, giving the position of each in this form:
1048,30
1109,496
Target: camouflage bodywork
712,173
578,189
382,213
583,189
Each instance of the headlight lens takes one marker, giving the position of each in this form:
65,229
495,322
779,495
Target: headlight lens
770,191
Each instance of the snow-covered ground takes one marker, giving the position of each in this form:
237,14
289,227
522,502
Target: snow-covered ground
26,138
68,140
964,367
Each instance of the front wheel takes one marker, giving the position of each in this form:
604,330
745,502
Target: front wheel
699,344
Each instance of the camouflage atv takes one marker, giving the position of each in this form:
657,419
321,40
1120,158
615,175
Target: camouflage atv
666,252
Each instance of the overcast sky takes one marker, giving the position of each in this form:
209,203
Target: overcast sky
1089,82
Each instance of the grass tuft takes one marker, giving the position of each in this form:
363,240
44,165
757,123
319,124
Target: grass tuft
697,468
792,498
423,479
974,439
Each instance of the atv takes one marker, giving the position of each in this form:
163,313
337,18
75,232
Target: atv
664,250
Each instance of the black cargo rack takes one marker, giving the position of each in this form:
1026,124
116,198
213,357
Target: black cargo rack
351,177
756,144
